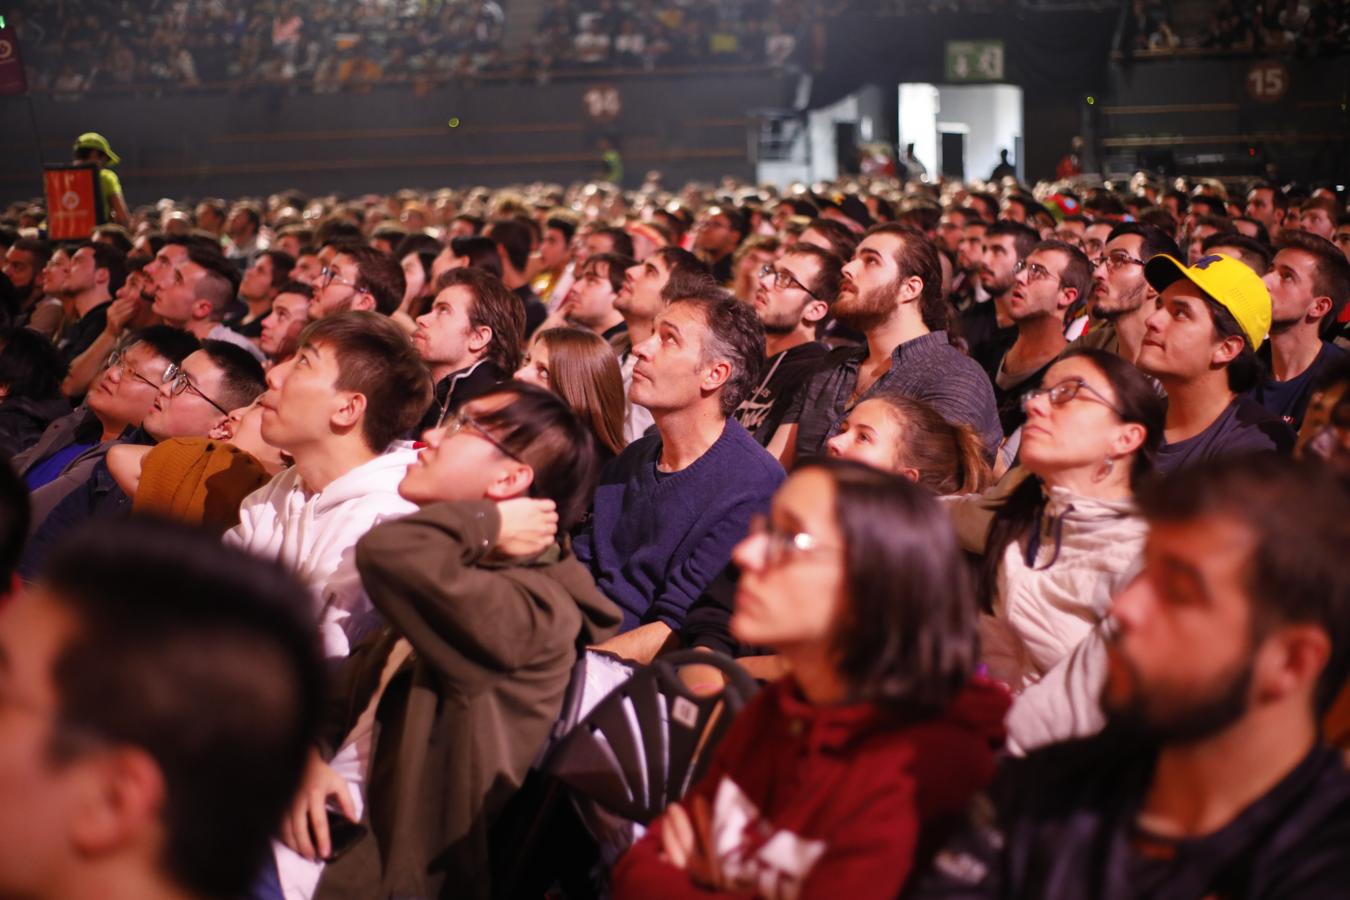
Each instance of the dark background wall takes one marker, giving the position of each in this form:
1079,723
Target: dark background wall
232,144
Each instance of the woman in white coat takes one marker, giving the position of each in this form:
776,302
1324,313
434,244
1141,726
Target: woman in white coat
1060,536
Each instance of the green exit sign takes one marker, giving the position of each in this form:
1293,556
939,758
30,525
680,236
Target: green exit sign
974,61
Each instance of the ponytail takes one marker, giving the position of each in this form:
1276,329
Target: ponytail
949,458
972,472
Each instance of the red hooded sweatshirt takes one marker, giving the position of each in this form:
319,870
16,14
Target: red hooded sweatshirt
830,802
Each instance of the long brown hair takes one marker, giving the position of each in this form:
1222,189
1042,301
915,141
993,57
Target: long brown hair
949,457
584,371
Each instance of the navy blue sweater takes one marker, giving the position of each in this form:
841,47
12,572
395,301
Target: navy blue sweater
655,541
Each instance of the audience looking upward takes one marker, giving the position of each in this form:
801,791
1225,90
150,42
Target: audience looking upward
1059,542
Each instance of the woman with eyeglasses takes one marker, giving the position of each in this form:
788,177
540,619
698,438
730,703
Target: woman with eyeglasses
1060,536
580,366
832,781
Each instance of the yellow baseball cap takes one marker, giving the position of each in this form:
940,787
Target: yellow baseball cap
1228,282
92,140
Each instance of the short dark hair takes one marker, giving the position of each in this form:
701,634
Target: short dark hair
217,638
380,275
514,239
735,334
282,264
417,243
114,234
1024,236
111,259
1077,268
474,222
481,253
1331,272
1251,252
174,344
543,432
338,232
567,227
377,360
40,250
683,268
30,365
1156,240
251,211
495,306
620,241
297,287
1279,199
1223,224
1160,218
1296,513
242,377
909,642
616,267
1262,233
842,241
1217,207
917,256
826,284
220,285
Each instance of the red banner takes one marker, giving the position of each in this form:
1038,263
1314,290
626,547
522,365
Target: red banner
12,80
72,201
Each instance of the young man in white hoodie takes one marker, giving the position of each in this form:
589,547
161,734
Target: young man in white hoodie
337,408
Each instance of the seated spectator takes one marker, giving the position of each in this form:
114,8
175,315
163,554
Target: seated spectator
132,310
280,333
195,397
1060,542
194,292
907,437
514,245
858,759
359,278
891,293
195,480
748,262
648,286
1122,299
672,505
580,367
793,298
1318,216
1309,286
24,261
95,273
170,798
718,233
590,301
470,339
1053,277
1255,254
1225,654
337,408
31,371
73,444
262,281
1201,345
486,610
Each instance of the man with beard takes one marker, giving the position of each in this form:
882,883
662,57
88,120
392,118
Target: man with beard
892,294
793,296
987,327
1309,285
23,265
1122,299
1211,778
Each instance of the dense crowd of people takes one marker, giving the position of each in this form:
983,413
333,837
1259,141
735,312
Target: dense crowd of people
1308,28
1025,507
